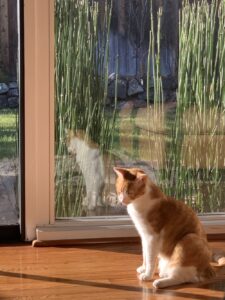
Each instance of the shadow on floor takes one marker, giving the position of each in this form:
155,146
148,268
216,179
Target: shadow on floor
143,289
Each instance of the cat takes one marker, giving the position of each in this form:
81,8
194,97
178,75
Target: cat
169,230
90,162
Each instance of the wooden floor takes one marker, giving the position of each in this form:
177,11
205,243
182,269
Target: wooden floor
101,272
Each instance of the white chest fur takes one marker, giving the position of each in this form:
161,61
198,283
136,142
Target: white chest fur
90,161
139,217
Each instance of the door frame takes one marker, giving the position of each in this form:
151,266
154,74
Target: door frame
39,114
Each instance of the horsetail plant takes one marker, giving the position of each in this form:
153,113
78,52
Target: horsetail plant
194,144
81,87
198,139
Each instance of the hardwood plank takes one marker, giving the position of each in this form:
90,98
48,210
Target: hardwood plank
98,272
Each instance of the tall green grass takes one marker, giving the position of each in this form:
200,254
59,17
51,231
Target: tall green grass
202,55
186,145
8,133
195,169
81,90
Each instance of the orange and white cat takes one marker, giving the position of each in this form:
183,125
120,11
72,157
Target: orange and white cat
169,231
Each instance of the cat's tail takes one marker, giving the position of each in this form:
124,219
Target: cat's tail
211,271
218,256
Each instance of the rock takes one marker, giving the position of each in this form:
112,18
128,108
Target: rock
169,95
143,96
13,93
112,77
3,101
13,85
134,87
151,82
169,83
121,88
3,88
13,102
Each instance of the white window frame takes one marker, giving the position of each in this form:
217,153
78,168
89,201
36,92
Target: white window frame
40,223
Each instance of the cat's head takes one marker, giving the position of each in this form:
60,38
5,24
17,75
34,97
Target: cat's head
71,134
130,184
74,139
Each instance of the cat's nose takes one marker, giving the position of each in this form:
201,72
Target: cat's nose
121,197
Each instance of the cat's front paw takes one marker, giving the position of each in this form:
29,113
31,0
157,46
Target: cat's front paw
158,283
162,275
145,276
140,269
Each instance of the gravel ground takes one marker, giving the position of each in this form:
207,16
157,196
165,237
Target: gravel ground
9,212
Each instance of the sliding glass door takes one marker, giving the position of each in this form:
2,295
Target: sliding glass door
116,104
10,120
105,87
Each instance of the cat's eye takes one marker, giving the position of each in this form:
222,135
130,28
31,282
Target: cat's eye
128,192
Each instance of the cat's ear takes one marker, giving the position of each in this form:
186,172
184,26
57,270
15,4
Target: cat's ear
69,132
141,176
120,172
125,173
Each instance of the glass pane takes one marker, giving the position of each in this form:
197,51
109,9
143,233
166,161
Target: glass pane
119,103
9,114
